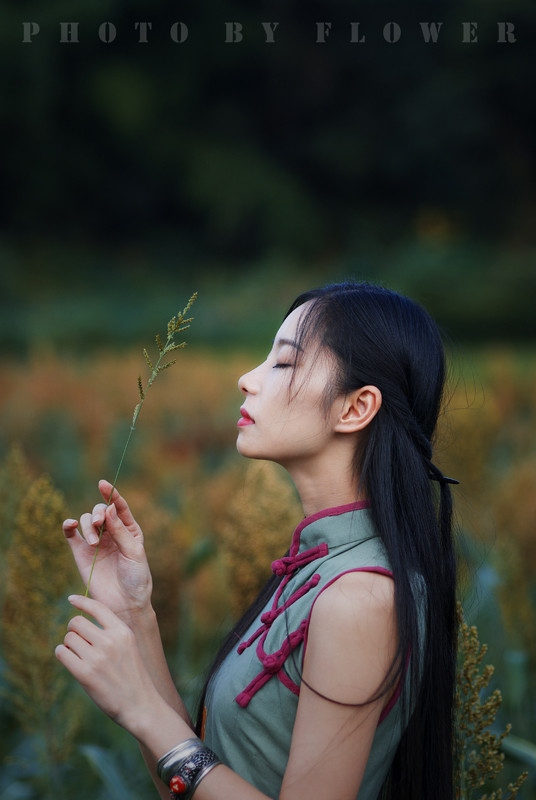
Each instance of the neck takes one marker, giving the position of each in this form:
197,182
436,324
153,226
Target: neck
324,488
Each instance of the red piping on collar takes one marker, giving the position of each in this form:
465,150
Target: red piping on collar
326,512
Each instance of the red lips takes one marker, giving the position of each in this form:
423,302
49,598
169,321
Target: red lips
245,419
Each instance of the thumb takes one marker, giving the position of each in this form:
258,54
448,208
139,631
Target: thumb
127,544
121,505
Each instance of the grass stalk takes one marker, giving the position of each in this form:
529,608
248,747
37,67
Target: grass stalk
176,324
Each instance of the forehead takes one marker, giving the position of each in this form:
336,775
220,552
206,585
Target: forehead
289,326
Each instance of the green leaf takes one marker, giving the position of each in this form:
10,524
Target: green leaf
103,763
521,750
199,554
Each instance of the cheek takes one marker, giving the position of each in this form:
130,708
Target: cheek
305,419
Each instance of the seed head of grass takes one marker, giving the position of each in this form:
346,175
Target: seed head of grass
177,324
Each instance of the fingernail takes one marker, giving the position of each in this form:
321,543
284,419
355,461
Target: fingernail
113,512
92,538
70,522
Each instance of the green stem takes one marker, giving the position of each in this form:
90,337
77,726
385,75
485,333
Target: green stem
131,431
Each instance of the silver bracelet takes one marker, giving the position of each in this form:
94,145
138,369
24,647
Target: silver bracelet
185,766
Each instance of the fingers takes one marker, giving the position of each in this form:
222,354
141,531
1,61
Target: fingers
115,517
68,658
120,503
104,658
100,613
87,646
101,517
127,541
72,534
91,524
82,634
76,644
90,532
98,514
69,527
83,627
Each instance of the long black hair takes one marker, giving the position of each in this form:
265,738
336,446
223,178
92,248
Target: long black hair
382,338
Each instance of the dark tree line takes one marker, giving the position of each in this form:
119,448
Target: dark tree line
228,150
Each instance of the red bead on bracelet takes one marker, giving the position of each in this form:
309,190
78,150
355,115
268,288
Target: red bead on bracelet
177,784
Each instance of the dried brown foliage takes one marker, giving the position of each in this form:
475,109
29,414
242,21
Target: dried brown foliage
166,543
479,758
39,575
255,528
14,482
490,430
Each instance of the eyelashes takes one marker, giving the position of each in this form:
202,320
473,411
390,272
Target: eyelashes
282,366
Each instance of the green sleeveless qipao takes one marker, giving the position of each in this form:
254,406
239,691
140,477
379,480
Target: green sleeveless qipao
252,699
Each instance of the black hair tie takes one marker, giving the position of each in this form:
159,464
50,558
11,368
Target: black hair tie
435,474
443,479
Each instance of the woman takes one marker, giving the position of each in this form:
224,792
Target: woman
338,682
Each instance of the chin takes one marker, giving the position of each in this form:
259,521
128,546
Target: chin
244,450
249,452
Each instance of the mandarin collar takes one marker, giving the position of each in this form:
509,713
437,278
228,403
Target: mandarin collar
331,526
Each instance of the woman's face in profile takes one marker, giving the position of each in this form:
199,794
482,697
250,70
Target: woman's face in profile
283,417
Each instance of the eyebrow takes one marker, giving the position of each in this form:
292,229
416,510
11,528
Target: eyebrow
290,342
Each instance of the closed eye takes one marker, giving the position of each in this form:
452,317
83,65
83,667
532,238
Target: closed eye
282,366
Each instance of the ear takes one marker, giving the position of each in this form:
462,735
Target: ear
358,409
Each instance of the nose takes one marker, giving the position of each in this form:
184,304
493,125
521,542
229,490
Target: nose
247,383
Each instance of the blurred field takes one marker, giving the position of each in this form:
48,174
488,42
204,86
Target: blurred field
204,510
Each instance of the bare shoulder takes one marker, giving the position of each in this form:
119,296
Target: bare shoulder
350,648
352,636
353,597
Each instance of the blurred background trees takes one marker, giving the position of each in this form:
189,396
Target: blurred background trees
128,165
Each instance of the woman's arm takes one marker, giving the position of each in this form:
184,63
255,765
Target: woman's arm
351,645
149,644
352,641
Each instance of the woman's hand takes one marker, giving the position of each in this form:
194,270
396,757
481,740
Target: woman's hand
121,578
105,660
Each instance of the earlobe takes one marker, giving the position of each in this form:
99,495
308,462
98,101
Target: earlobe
359,408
